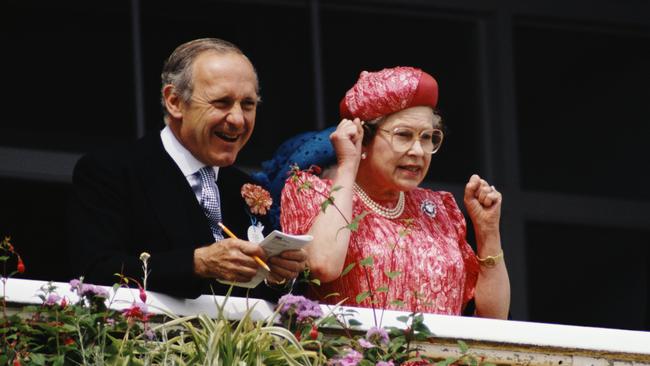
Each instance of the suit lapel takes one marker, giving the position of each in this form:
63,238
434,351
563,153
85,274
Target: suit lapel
180,215
171,197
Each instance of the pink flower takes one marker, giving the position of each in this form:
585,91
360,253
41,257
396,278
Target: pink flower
365,344
258,199
351,358
385,363
52,299
377,335
143,295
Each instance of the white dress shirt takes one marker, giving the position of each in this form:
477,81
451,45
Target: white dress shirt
188,164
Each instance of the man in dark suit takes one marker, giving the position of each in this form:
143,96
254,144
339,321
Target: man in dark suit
163,193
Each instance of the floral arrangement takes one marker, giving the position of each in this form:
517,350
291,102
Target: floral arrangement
89,332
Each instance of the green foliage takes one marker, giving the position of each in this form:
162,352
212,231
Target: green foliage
348,268
367,261
354,224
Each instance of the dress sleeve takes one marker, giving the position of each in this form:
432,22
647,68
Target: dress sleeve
469,257
301,200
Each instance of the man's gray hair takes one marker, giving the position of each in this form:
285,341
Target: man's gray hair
177,70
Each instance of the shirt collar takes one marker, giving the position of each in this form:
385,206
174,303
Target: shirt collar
188,164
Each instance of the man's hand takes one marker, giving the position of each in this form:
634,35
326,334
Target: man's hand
286,266
228,260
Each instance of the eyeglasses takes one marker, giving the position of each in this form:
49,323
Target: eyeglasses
403,138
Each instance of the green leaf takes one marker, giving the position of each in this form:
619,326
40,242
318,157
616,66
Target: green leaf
37,358
403,318
382,289
463,346
4,258
315,281
362,296
304,185
336,188
449,360
348,268
327,202
367,261
354,224
392,274
58,361
397,302
354,322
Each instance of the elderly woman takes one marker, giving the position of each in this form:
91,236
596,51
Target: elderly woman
410,250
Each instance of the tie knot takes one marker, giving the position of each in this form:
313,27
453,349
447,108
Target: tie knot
207,174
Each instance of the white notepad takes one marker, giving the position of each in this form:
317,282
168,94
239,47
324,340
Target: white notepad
274,244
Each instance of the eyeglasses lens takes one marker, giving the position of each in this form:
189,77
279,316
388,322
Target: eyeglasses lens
404,138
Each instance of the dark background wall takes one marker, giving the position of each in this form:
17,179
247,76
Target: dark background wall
550,100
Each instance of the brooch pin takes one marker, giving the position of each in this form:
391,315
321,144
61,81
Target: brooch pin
428,208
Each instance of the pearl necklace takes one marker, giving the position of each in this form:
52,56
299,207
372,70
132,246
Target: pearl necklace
389,213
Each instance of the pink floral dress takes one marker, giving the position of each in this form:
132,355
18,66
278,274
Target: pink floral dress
426,245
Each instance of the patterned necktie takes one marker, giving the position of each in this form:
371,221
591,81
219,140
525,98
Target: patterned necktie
210,200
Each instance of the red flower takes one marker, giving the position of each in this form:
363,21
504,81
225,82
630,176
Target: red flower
143,295
313,334
68,341
297,334
20,267
258,199
64,302
136,311
17,362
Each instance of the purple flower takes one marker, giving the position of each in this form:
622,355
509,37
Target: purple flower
302,307
352,358
385,363
92,290
377,335
52,299
74,285
101,292
365,344
88,291
149,334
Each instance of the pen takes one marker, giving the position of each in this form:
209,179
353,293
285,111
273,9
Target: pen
230,234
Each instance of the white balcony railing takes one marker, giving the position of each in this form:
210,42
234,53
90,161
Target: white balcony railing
498,341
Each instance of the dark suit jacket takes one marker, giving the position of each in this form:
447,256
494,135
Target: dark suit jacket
135,199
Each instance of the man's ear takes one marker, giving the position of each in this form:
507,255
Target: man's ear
173,102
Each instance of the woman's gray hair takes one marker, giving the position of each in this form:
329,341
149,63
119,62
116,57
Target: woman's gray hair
177,70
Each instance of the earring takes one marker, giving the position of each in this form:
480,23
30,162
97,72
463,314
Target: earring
363,155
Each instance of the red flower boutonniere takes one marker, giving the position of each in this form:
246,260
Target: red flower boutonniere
258,199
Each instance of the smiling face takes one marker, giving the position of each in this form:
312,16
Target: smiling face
219,118
385,172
